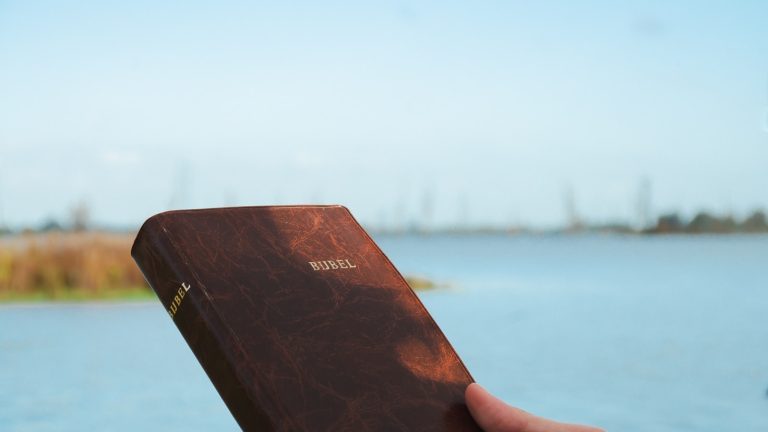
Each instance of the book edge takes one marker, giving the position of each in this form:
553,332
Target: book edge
260,415
415,297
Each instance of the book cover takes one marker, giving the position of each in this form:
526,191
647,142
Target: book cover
301,322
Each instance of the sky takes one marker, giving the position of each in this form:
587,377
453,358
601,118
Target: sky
432,112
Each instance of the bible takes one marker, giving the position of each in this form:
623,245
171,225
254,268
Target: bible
301,322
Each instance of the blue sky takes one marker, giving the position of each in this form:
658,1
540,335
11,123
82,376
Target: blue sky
487,111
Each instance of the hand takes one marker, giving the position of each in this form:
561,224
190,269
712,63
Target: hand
493,415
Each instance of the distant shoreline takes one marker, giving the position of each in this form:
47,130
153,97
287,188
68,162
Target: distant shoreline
78,267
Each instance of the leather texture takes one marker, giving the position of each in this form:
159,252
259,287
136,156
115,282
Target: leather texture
293,348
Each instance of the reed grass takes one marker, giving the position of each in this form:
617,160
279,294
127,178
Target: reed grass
69,266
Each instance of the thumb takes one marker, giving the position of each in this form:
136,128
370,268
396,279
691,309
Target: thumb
493,415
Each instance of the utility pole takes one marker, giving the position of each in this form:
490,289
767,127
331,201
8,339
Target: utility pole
427,207
571,212
464,216
643,204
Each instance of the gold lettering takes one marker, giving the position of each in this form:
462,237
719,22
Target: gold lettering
181,292
333,264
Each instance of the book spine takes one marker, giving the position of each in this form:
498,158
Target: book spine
190,309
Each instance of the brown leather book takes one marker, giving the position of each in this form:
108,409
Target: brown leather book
301,322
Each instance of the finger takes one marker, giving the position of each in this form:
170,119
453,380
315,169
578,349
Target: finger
493,415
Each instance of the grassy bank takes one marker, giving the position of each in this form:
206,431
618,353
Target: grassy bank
81,266
80,295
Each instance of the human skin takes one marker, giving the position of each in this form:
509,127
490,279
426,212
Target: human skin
493,415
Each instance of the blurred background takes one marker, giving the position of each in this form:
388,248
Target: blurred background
576,190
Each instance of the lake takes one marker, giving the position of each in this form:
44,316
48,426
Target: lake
629,333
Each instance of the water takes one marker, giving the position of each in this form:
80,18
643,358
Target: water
629,333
